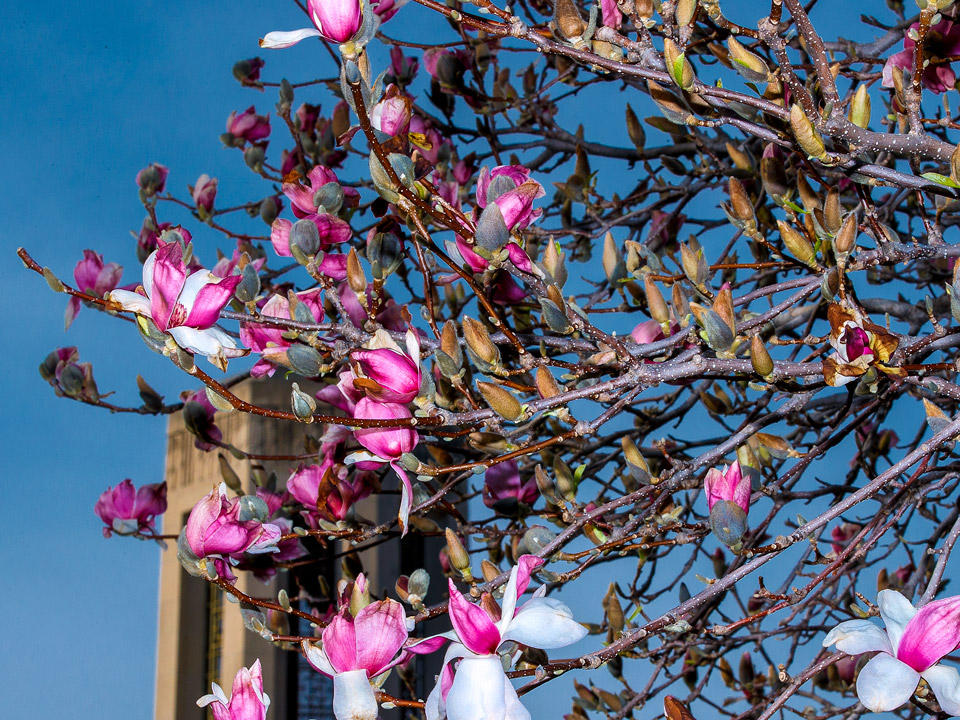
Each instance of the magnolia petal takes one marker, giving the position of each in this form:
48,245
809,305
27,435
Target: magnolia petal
317,658
885,683
211,341
279,39
896,612
855,637
380,633
340,643
514,709
406,497
134,302
353,697
932,633
473,626
478,690
545,623
168,277
204,296
73,307
509,602
945,682
435,708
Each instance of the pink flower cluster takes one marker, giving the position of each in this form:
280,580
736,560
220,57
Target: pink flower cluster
126,510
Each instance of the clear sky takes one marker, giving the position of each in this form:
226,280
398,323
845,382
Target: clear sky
89,95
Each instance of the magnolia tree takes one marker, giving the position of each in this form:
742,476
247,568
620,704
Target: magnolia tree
603,357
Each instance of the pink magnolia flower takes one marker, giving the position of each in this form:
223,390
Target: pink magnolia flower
392,114
479,689
335,20
728,498
942,41
728,484
357,652
185,307
387,445
841,535
215,530
386,9
390,375
248,125
204,192
247,700
68,376
247,72
126,510
332,499
911,647
503,490
610,13
268,340
510,188
152,179
94,277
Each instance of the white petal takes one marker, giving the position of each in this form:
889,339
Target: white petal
210,342
434,707
855,637
885,683
135,302
509,601
945,682
148,266
514,708
478,690
544,623
277,40
896,612
318,658
353,698
192,287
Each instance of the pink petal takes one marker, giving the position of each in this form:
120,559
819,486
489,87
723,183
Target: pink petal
212,294
473,626
380,633
169,276
931,634
340,643
280,237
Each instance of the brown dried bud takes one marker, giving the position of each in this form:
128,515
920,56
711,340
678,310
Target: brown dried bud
501,401
355,275
635,130
740,201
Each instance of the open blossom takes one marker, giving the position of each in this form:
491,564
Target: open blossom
941,41
247,700
503,489
126,510
334,20
248,125
478,689
184,306
268,340
92,276
858,344
358,651
328,489
911,647
219,528
387,374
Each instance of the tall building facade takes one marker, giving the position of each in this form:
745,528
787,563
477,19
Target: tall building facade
201,637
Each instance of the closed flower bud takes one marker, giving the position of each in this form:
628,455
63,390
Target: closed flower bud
355,275
859,113
728,522
846,239
742,208
798,245
459,558
680,69
545,484
478,340
546,384
567,19
694,265
752,67
805,133
685,11
656,304
305,236
304,405
759,357
501,401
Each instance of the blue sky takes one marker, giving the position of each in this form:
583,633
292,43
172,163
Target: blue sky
90,97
